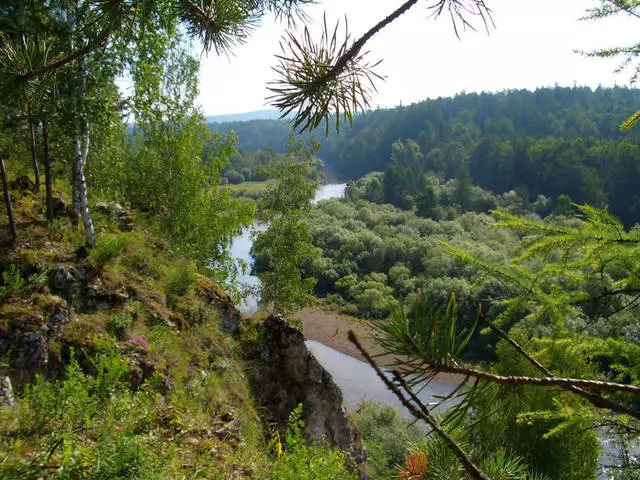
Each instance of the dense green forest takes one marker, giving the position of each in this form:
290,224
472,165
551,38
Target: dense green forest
551,142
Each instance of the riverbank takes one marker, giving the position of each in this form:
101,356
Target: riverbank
331,329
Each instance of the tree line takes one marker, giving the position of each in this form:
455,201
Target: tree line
551,142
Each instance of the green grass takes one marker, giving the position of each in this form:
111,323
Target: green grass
251,190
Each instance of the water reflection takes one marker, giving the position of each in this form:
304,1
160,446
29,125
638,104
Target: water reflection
241,248
358,381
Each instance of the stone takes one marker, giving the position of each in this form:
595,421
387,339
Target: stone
288,374
125,220
67,281
29,351
6,392
58,312
60,207
109,207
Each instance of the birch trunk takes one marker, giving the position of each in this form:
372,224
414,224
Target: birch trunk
80,145
7,200
81,149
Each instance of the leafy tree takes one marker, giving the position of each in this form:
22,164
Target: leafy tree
286,244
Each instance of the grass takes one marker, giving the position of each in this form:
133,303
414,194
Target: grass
248,190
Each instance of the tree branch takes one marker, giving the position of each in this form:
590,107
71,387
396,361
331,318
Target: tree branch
537,382
357,46
593,398
48,68
422,413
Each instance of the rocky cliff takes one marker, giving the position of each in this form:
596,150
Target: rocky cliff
284,374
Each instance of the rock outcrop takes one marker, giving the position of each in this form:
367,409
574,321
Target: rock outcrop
285,373
125,220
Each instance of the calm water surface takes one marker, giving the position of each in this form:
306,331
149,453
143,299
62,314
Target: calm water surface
241,247
358,381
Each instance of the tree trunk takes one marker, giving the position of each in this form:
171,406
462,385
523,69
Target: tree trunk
7,200
34,151
81,149
80,146
48,180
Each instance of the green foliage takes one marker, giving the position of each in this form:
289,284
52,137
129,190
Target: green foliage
120,323
535,423
376,256
301,462
107,248
12,281
172,165
286,245
85,424
386,434
552,141
179,280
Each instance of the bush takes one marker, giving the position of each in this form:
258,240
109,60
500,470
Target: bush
106,249
119,324
12,281
179,280
234,177
387,435
297,461
86,426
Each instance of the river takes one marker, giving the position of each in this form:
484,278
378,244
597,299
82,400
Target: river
356,379
241,247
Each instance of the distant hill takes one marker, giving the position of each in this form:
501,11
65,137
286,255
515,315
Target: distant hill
243,117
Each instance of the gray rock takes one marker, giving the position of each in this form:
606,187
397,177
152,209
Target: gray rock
6,392
60,208
58,313
29,351
125,220
67,281
287,374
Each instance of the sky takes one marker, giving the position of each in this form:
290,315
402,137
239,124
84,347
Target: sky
532,45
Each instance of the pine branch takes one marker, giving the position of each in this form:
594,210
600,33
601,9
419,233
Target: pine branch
101,40
422,413
537,382
351,54
593,398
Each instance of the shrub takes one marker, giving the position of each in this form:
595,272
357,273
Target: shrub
297,461
86,426
387,435
119,324
106,249
179,280
12,281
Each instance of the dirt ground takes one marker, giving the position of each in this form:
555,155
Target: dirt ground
331,330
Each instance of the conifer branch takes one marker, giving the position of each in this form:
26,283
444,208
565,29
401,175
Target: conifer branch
351,54
101,40
593,398
422,413
535,381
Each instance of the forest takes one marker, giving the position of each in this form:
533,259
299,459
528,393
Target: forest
551,142
489,239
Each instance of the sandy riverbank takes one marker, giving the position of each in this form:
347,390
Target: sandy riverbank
331,330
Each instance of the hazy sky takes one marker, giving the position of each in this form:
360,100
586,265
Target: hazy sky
532,45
